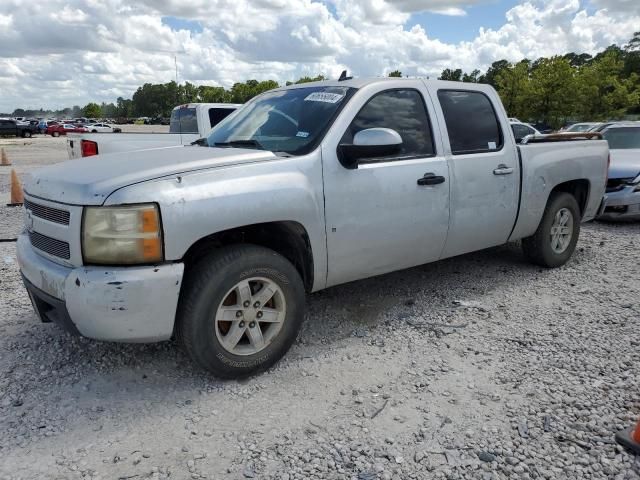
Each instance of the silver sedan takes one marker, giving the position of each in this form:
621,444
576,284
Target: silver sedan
623,185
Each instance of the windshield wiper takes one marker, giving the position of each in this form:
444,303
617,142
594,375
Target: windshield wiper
240,143
201,142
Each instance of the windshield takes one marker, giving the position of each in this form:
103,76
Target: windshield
579,127
623,138
284,121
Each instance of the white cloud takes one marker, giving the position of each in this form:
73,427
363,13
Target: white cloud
57,55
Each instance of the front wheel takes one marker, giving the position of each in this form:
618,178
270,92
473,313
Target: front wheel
240,310
55,134
26,134
555,239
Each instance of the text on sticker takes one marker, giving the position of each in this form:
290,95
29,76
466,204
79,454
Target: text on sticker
324,97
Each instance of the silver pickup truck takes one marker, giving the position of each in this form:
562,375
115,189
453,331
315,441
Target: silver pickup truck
302,188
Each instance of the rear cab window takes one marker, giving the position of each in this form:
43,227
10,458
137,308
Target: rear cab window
183,120
402,110
472,123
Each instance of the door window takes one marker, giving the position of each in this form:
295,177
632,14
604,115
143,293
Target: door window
216,115
402,110
471,121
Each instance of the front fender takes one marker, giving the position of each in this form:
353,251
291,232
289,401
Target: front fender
199,204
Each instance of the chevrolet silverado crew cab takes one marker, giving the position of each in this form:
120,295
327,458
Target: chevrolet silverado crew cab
188,123
302,188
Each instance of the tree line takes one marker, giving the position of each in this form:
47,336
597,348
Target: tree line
549,90
567,87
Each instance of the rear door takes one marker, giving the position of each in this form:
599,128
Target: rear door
483,166
382,216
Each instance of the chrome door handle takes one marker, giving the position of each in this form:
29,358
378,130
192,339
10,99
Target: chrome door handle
503,170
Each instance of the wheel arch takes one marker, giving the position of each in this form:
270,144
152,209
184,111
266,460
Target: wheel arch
579,188
288,238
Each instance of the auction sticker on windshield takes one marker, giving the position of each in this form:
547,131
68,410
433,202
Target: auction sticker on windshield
324,97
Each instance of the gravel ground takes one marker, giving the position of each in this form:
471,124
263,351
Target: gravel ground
476,367
480,366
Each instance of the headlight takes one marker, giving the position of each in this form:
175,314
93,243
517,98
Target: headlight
122,235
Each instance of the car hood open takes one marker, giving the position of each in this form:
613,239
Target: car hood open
624,163
90,180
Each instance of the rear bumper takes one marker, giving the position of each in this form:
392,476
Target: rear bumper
122,304
622,205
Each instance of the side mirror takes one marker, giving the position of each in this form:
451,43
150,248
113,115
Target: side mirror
369,143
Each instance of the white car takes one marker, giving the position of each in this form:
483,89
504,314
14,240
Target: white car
101,128
521,130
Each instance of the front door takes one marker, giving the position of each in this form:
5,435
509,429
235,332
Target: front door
483,163
380,217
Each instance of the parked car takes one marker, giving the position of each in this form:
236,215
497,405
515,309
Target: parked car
543,127
623,185
521,130
599,127
64,129
579,127
102,128
188,123
304,187
14,128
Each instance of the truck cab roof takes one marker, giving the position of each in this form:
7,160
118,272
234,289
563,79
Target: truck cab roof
363,82
208,105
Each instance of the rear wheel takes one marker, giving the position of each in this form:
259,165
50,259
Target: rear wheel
26,134
55,134
555,239
240,311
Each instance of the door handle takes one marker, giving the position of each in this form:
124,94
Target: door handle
502,169
430,179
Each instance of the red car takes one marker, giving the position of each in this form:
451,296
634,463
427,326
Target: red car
57,130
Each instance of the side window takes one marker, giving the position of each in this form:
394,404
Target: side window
472,123
216,115
401,110
520,131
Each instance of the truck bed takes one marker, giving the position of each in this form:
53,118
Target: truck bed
558,157
126,142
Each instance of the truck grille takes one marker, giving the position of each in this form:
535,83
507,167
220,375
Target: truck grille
49,245
47,213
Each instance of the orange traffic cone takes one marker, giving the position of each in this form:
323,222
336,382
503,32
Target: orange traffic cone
5,161
17,196
630,438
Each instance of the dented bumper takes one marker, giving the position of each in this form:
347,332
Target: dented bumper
125,304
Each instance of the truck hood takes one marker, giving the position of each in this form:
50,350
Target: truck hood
90,180
624,163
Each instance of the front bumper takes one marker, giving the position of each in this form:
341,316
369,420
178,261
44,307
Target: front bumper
123,304
623,204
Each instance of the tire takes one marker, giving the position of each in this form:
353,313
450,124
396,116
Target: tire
26,134
55,134
539,248
207,289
